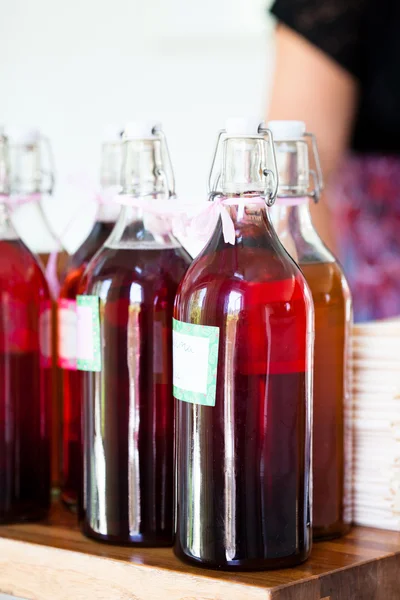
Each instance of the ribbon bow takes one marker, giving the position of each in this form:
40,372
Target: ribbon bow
205,222
199,221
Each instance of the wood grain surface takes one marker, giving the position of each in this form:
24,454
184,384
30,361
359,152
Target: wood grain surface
52,561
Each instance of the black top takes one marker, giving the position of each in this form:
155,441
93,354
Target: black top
363,36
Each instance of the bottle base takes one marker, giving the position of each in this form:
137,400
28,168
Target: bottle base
337,530
69,501
269,564
142,540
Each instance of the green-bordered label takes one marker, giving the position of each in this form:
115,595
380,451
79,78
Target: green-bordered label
88,325
195,362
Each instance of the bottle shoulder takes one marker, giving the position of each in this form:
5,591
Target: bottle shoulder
251,264
96,238
122,267
20,270
326,279
298,234
315,254
70,286
267,277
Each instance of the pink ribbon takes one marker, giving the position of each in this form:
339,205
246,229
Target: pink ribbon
205,222
166,214
169,208
21,199
199,221
291,201
105,196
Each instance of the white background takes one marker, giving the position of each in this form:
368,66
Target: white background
73,67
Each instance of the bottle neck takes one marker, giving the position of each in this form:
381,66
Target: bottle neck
251,221
110,182
137,228
243,161
147,184
7,230
32,168
294,226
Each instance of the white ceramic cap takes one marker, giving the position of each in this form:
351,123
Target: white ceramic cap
243,126
140,129
21,135
287,130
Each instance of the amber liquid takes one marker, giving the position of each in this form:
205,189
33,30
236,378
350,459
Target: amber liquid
332,419
25,388
129,407
71,380
243,465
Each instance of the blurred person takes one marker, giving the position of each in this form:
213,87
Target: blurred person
338,69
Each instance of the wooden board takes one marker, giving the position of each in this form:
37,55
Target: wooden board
52,561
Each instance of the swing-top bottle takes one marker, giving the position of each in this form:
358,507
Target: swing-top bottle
32,189
25,376
71,379
243,333
301,183
125,346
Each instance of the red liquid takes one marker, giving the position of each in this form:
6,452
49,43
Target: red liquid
243,465
71,381
96,238
128,460
25,388
56,404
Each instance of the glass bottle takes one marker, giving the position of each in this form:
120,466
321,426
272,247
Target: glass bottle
25,376
333,318
32,184
243,330
33,178
71,379
125,345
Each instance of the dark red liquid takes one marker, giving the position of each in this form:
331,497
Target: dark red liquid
129,407
25,388
71,381
243,465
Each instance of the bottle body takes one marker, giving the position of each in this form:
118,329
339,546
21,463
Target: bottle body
25,385
128,405
332,447
70,377
243,465
332,422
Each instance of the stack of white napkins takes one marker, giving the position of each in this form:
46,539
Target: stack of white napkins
376,398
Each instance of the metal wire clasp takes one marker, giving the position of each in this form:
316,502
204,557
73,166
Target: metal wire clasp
42,177
271,175
163,181
50,172
4,166
164,170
